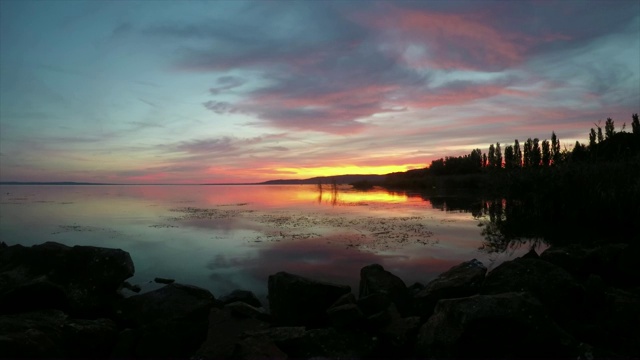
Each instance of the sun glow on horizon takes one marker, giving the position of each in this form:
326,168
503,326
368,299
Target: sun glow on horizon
305,172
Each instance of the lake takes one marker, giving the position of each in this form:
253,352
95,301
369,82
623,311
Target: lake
226,237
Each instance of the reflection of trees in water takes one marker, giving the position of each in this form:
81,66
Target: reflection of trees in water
334,192
508,224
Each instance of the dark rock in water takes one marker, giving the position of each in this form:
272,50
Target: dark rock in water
459,281
571,258
168,322
82,279
263,344
615,263
395,335
509,325
375,279
51,333
345,299
550,284
241,295
173,301
242,309
298,301
225,331
345,315
415,288
135,288
374,303
329,343
160,280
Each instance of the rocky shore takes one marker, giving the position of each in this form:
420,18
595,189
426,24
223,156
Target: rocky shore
568,302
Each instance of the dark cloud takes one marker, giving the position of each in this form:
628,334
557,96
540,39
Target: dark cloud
220,107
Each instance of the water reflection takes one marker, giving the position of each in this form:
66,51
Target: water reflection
227,237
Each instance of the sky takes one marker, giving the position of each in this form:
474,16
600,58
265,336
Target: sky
245,91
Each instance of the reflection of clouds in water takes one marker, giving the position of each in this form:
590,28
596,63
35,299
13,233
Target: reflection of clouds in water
327,259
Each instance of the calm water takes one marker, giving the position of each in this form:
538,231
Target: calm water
228,237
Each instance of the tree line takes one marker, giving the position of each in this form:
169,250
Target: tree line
533,153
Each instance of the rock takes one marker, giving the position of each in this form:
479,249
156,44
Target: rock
51,333
415,288
345,299
298,301
329,343
241,295
509,325
257,348
571,258
135,288
375,279
82,279
531,254
160,280
225,332
174,301
373,303
242,309
345,315
396,335
168,322
615,263
550,284
461,280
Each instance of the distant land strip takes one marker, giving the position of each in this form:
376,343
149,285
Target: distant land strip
338,179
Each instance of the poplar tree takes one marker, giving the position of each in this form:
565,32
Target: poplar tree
592,139
555,148
546,153
528,147
535,153
609,129
517,154
498,163
635,125
509,157
492,156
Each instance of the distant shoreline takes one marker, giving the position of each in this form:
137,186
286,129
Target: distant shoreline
339,179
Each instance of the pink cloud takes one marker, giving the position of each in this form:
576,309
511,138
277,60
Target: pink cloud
451,41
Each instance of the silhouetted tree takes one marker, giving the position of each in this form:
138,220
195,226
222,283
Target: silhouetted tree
546,153
509,158
517,154
555,148
635,125
609,129
528,148
498,163
600,137
484,160
535,153
579,152
592,139
492,156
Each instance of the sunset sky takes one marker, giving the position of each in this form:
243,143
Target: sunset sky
235,91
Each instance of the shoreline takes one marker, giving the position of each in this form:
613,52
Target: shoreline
572,301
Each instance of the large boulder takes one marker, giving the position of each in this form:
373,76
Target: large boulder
225,332
510,325
82,279
52,334
244,296
329,343
550,284
374,279
460,281
168,322
298,301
